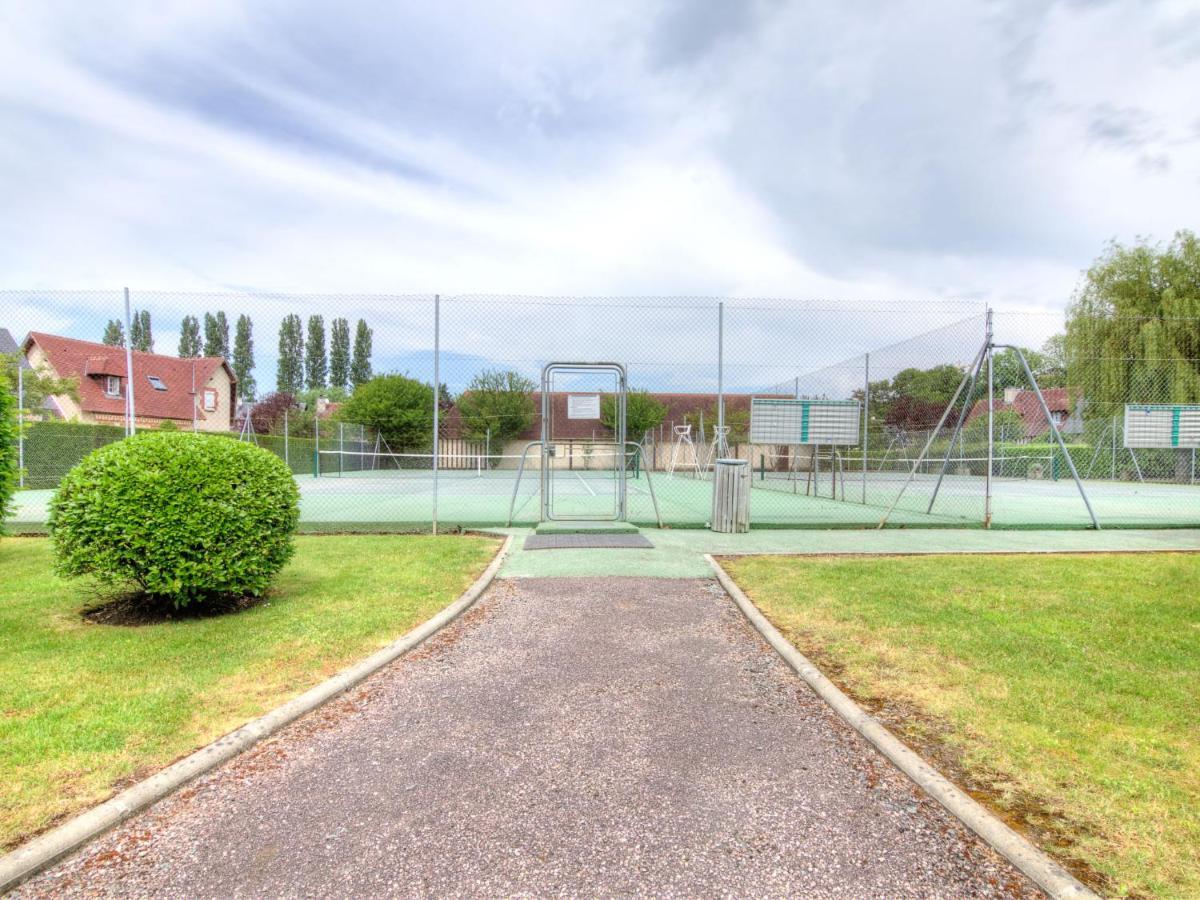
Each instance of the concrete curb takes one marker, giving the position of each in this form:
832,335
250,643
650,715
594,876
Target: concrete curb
1040,868
42,852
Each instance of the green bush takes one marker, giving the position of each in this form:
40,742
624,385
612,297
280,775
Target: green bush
398,407
185,517
8,446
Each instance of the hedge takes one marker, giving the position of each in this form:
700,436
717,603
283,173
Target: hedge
8,447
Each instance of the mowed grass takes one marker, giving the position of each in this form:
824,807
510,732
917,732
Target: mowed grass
1065,689
86,708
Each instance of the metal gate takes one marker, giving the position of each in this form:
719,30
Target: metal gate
583,471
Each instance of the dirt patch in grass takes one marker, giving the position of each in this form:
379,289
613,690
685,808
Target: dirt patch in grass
930,737
135,609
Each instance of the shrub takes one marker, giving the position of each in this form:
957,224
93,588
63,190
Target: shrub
8,446
185,517
398,407
499,402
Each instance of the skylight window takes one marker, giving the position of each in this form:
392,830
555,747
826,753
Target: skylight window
157,383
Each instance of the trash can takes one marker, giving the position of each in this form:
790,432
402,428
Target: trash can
731,496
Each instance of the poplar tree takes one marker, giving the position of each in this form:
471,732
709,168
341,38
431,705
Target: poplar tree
360,365
141,336
289,376
339,353
189,338
243,357
114,333
216,335
316,362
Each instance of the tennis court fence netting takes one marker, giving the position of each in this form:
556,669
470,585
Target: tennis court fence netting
937,442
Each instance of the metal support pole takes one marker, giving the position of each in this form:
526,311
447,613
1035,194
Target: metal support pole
21,422
1057,434
966,408
933,434
991,440
866,424
437,387
721,364
285,439
1113,472
130,409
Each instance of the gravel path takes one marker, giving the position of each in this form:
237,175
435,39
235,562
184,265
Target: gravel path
568,736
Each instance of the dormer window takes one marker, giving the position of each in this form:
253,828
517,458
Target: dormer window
156,383
112,386
210,400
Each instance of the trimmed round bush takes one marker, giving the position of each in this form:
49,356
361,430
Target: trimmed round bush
185,517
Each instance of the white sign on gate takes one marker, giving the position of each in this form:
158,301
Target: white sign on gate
583,406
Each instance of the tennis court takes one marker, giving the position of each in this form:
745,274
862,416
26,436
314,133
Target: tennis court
401,497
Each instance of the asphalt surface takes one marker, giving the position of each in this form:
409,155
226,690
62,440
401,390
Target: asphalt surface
568,736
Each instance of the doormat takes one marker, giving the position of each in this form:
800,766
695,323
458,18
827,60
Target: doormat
587,542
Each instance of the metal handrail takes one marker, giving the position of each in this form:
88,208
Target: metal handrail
516,486
649,481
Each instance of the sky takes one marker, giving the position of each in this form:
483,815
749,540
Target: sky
857,156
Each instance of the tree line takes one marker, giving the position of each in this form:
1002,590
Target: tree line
304,363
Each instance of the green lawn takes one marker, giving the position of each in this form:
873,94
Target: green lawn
85,708
1065,690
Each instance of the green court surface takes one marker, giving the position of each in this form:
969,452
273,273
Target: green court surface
680,553
404,500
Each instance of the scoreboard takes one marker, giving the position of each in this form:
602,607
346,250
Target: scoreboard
776,421
1162,425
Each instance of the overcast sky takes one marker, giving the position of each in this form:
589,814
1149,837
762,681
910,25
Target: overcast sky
851,152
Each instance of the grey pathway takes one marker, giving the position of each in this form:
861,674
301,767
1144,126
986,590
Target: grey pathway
569,736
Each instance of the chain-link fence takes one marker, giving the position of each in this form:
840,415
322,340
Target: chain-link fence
357,392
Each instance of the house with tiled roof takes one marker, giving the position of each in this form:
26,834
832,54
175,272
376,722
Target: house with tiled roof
196,393
1033,420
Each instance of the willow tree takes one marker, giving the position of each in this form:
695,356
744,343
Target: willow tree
1133,328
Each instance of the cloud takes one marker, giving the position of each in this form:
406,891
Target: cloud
851,154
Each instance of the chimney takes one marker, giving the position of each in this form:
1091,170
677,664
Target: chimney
1010,395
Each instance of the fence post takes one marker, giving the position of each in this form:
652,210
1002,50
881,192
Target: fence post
286,461
866,420
131,410
437,386
721,364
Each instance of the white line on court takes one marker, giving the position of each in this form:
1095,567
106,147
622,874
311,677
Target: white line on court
585,484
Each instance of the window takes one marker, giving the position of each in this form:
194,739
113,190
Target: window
157,383
112,385
210,400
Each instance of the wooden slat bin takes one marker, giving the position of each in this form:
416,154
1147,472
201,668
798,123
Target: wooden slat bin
731,496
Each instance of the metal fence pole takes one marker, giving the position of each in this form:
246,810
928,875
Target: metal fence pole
437,386
130,408
286,460
866,421
721,364
21,421
1113,472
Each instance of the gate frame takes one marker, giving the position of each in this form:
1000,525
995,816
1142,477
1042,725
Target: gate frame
619,441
